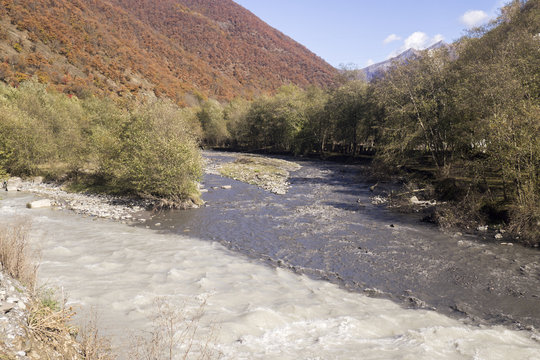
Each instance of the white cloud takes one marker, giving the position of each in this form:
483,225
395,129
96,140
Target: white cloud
474,18
391,38
370,62
418,40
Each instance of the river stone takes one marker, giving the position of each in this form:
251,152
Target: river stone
43,203
13,184
6,307
226,187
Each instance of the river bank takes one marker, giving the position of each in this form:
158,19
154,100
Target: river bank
120,208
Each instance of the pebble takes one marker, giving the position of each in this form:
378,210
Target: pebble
482,228
377,200
226,187
498,236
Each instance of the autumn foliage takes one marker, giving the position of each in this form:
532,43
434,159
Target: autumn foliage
181,49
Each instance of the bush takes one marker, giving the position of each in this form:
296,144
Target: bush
156,154
40,131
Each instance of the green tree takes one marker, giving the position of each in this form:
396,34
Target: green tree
500,90
418,111
274,122
348,109
158,155
213,124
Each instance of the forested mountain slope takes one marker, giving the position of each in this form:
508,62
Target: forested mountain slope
175,48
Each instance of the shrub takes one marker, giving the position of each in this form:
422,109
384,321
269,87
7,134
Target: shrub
157,154
15,253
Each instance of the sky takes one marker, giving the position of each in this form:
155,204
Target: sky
363,32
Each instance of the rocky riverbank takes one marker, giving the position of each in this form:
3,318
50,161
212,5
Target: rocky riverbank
127,209
14,340
31,328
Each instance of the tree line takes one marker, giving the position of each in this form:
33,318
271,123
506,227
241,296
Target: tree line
146,149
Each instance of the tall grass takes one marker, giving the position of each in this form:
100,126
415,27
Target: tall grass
16,256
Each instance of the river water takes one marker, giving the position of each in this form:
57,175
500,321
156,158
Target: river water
287,277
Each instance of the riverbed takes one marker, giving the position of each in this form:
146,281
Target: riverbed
317,273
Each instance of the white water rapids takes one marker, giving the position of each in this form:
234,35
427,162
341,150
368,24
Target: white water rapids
257,312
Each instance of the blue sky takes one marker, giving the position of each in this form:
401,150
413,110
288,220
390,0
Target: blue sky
362,32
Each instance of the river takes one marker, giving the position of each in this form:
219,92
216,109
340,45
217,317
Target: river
318,273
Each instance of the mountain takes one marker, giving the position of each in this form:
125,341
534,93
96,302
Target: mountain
182,49
376,70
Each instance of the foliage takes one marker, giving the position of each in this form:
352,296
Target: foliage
213,125
276,122
349,111
158,154
147,149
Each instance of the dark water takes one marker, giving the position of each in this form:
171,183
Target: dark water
326,227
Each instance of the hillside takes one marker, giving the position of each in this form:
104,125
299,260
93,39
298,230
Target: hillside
175,48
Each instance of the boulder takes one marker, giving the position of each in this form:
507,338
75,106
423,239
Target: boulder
414,200
13,184
43,203
226,187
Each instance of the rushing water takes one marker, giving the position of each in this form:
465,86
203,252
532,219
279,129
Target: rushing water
258,310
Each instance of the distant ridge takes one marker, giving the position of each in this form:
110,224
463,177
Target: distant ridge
376,70
176,48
